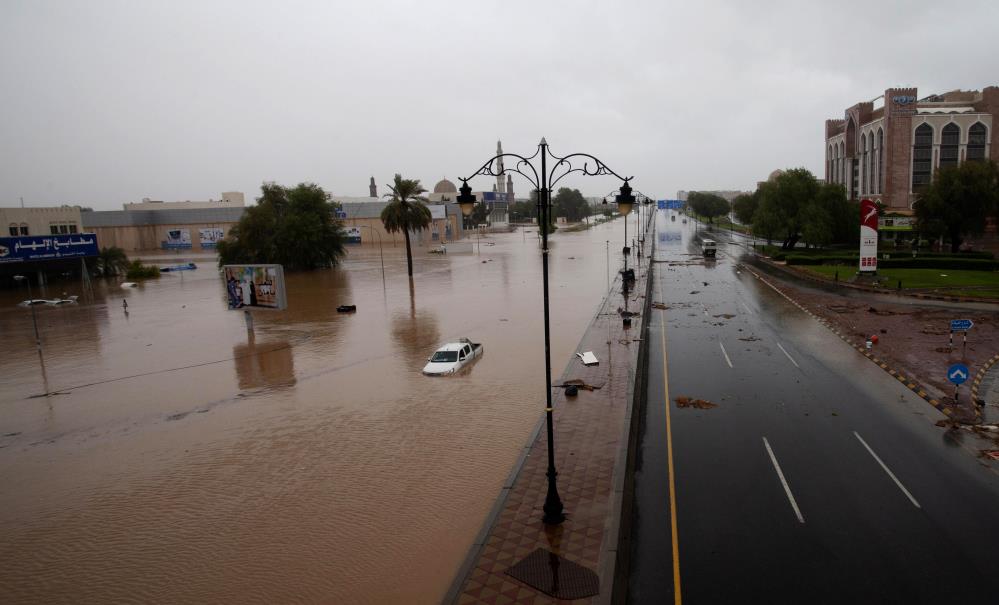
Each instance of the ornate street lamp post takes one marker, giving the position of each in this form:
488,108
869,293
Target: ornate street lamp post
543,181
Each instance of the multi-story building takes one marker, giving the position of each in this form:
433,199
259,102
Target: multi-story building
889,152
53,220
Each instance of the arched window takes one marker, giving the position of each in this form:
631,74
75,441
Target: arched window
881,160
865,178
24,228
842,163
829,162
13,229
949,141
835,176
977,135
922,156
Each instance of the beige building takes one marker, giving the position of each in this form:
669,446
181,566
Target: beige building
195,229
230,199
362,220
40,221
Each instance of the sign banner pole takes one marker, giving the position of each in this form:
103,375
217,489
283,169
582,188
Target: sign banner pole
868,237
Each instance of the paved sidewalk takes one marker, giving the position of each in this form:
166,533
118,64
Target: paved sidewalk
591,441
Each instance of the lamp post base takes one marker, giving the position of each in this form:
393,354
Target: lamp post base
554,513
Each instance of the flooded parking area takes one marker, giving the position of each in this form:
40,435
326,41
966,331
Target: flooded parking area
179,457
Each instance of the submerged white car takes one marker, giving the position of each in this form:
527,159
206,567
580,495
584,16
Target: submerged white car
452,357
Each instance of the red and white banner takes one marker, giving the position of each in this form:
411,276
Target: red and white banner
868,236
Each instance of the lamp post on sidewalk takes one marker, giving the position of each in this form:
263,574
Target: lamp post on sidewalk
543,181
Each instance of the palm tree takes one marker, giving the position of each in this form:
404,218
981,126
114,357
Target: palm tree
406,211
112,261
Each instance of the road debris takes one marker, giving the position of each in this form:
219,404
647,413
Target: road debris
687,402
580,384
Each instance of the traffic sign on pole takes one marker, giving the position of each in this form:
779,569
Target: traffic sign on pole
957,373
961,325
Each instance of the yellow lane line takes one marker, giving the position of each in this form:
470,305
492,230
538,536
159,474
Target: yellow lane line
669,462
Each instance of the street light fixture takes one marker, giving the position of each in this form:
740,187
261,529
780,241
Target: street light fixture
543,181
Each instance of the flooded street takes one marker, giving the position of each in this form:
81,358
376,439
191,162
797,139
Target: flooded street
182,459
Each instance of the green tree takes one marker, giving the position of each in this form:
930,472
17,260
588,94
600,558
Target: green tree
766,222
571,204
784,200
112,261
524,210
406,212
744,205
958,201
708,205
293,227
480,215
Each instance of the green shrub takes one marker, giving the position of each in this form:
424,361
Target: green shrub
136,270
953,262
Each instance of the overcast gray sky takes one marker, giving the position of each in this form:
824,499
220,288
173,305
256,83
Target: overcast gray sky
108,102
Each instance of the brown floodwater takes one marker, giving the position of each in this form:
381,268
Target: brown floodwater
182,459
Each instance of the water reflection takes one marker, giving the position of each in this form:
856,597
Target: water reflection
416,332
271,364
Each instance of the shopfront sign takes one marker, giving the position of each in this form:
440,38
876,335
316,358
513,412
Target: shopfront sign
28,248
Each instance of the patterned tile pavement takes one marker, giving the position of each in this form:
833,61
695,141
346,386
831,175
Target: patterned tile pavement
590,432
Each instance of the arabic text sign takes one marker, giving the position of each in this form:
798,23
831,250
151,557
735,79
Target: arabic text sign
47,247
961,325
211,236
957,373
254,287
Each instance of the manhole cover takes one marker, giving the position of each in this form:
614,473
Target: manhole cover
555,576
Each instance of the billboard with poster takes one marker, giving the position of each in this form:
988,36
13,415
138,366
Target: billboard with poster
254,287
868,236
211,236
177,238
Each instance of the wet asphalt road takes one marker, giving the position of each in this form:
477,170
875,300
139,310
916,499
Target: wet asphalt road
818,478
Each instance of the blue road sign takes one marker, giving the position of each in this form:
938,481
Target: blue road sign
674,204
961,325
661,204
957,373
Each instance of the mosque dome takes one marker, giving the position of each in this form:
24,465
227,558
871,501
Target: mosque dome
445,186
775,174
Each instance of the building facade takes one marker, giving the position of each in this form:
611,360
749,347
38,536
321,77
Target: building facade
55,220
230,199
890,152
196,229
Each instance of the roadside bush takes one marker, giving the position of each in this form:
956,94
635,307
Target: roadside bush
952,262
137,270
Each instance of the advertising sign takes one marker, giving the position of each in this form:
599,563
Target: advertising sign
438,212
210,236
254,287
47,247
868,237
177,238
354,235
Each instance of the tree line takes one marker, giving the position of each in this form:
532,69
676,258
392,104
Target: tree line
795,206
